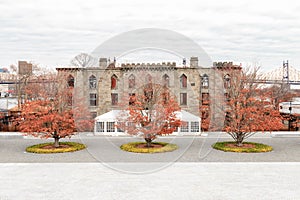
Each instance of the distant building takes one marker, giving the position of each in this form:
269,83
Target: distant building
194,86
24,68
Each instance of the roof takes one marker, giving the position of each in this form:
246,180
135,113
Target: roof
114,114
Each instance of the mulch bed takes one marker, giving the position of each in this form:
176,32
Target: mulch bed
61,146
142,146
245,146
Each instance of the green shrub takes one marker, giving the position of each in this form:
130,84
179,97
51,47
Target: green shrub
257,149
74,146
132,147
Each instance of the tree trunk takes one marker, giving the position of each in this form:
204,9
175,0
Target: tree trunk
56,141
148,141
239,140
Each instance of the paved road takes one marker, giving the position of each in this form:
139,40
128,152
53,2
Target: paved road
197,149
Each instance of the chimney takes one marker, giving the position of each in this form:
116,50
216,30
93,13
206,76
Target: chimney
103,62
194,62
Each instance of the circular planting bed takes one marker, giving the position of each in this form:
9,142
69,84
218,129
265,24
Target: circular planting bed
141,147
247,147
49,147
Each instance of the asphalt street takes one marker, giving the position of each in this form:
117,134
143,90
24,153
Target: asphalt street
191,149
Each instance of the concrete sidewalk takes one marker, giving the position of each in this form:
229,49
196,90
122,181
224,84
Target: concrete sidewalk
94,181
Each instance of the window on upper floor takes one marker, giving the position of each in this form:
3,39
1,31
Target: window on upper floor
227,81
71,81
92,82
166,80
183,81
205,81
131,81
114,82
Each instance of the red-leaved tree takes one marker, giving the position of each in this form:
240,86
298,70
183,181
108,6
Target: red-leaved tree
152,112
248,109
49,112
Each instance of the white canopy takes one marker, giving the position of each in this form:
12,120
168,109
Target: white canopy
114,114
105,124
109,116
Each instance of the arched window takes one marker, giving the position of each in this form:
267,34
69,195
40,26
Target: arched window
70,81
114,82
205,81
92,82
148,92
131,81
166,80
183,81
226,81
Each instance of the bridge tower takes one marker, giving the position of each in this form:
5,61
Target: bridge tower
285,78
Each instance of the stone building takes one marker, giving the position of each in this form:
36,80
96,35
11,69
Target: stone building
105,86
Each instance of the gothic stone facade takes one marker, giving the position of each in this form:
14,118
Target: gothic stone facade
105,86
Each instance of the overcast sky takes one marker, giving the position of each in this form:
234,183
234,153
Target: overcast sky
52,32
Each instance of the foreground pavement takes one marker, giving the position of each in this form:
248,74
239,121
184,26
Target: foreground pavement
94,181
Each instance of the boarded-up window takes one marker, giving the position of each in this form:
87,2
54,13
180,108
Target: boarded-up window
183,81
114,82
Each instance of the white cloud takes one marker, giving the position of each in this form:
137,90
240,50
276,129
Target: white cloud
52,32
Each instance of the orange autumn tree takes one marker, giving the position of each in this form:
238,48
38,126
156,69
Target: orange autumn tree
248,109
42,118
50,114
151,112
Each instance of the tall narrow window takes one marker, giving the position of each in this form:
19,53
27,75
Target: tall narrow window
92,82
131,81
166,80
71,81
205,98
184,126
205,81
227,96
148,92
183,81
110,126
70,99
114,82
100,126
226,81
183,99
114,99
132,98
93,99
166,96
194,126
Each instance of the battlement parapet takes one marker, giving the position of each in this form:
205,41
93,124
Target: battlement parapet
148,65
